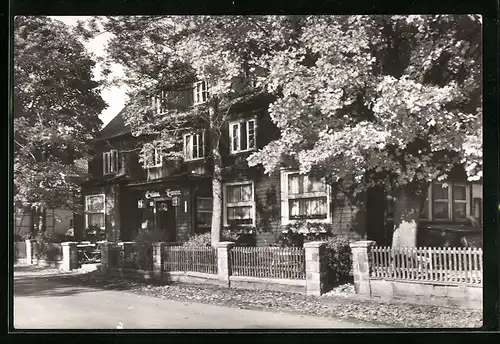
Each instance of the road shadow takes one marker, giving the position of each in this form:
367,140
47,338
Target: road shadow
46,287
28,268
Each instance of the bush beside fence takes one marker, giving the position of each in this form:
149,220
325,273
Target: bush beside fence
20,250
130,256
48,252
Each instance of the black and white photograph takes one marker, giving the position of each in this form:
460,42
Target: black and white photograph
229,172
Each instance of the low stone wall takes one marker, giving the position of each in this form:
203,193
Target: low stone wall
462,296
42,262
130,273
23,261
190,277
284,285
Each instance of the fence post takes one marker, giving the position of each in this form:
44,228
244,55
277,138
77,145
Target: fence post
361,266
105,257
224,262
316,273
69,256
29,251
158,260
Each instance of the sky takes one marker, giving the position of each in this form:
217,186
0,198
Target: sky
114,96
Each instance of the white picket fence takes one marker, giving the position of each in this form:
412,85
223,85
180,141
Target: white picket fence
455,265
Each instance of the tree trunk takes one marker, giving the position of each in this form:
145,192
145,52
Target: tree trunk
43,220
216,182
406,218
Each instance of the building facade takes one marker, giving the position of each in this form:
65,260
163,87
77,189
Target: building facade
123,194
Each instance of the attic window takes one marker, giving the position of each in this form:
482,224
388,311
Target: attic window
159,102
200,92
110,162
154,158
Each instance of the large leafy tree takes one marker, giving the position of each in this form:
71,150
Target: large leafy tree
169,53
56,103
393,101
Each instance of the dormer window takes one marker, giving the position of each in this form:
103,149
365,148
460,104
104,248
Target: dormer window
110,162
242,135
200,92
194,146
158,102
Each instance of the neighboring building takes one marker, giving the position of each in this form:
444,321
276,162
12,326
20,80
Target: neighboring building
123,195
56,221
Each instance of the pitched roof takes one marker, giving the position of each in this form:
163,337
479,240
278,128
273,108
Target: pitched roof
116,127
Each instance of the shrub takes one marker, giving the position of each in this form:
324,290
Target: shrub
21,237
198,240
142,255
50,237
339,259
136,260
301,231
94,233
48,251
244,236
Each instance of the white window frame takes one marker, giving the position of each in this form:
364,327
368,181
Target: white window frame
239,204
231,135
157,158
157,101
95,212
285,197
190,148
204,211
450,201
113,163
200,95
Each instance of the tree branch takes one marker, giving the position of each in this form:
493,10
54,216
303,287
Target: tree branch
25,148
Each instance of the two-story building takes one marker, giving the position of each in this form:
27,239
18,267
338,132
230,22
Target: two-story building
123,195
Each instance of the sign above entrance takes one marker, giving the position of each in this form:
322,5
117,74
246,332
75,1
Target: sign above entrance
168,193
171,193
152,194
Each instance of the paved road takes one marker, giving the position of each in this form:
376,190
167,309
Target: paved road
48,304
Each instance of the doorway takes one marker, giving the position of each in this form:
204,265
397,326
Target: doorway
165,219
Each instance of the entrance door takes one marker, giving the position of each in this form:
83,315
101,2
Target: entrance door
165,219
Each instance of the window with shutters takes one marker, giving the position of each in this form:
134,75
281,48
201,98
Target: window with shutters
242,136
239,203
304,198
200,92
194,146
111,162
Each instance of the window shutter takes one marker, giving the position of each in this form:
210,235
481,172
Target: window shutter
202,144
187,147
235,137
105,168
251,134
195,146
114,161
243,136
